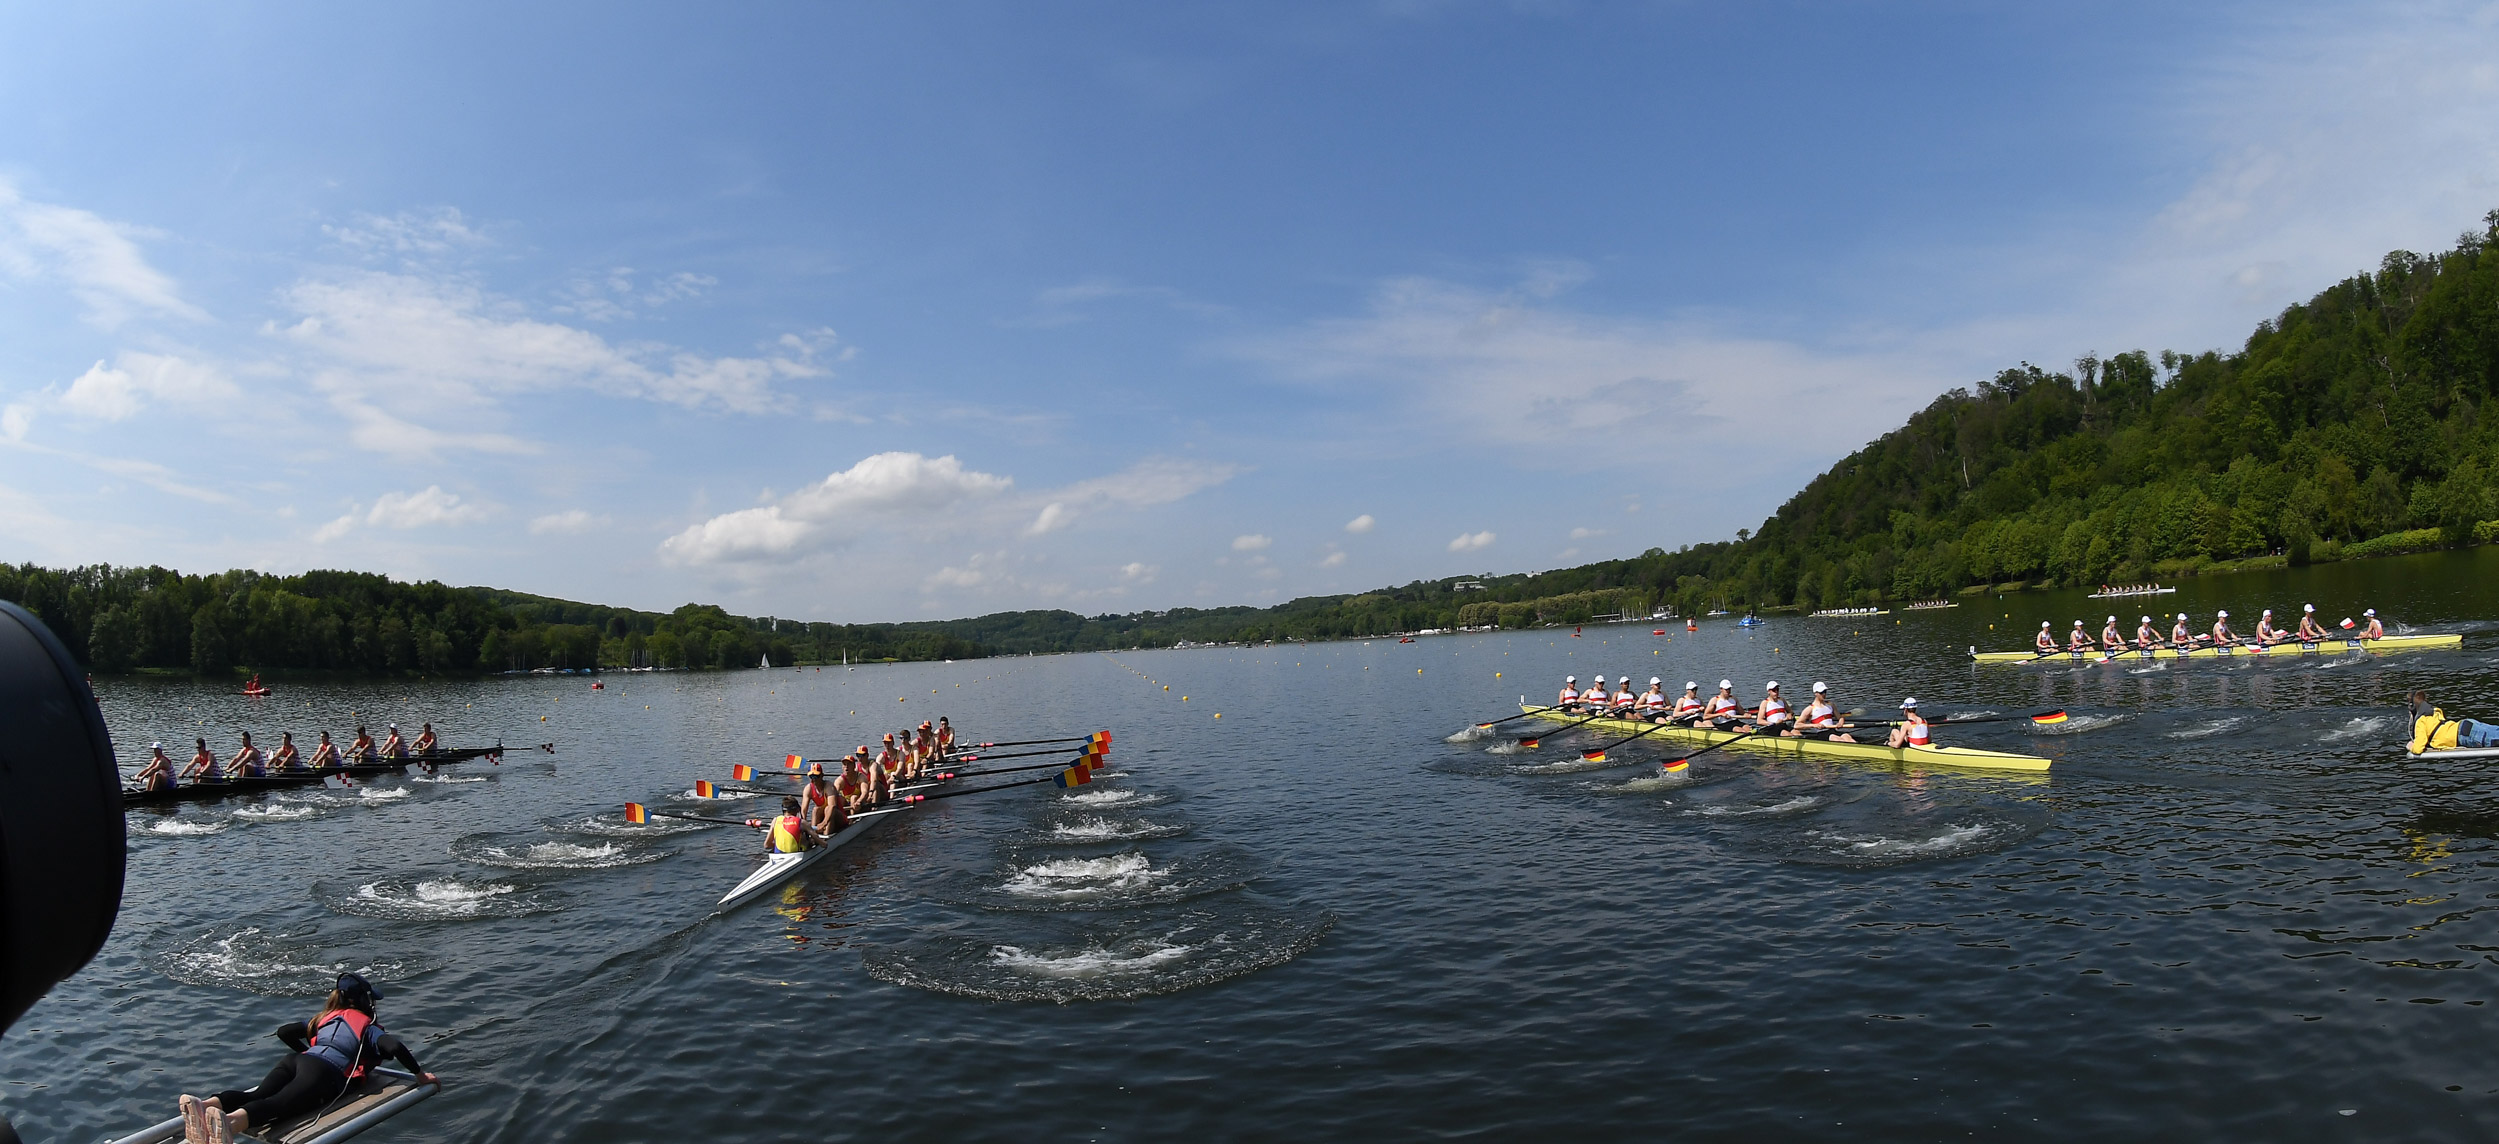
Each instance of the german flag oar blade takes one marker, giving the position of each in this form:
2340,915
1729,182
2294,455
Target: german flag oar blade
2050,718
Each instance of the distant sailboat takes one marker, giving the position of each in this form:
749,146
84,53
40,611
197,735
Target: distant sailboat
767,664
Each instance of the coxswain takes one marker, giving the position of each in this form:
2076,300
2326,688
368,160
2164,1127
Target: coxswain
2110,641
325,754
2179,636
2373,629
1820,717
248,762
2432,730
1724,712
2147,637
204,766
426,743
1570,694
286,758
2310,631
945,737
1772,711
328,1053
1688,705
361,751
2221,630
2266,633
1912,730
2047,638
394,747
2078,639
788,830
1653,701
159,773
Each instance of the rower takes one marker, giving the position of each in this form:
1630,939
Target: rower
2109,639
1624,700
2047,637
2373,630
2078,639
1688,706
361,751
1912,730
789,831
1653,701
204,766
248,762
2221,630
2146,636
945,737
881,772
2432,730
2310,631
1570,694
325,754
852,789
159,773
2266,633
823,813
425,741
1723,711
286,758
1772,711
2179,636
394,747
1820,717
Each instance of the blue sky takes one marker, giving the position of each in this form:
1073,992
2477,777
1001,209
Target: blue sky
911,311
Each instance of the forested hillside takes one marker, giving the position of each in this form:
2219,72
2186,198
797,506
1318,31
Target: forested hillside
2350,425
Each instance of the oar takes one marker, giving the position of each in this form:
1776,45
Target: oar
1008,755
1031,742
1598,755
636,812
1671,766
1512,719
1080,760
2054,715
1531,740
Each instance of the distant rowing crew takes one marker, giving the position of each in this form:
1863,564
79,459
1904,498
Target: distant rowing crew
206,769
823,807
2147,637
1820,718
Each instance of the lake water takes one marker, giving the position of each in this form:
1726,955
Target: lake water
2231,909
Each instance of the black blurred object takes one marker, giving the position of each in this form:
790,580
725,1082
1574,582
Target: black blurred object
61,834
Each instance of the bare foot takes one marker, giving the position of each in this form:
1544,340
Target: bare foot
194,1120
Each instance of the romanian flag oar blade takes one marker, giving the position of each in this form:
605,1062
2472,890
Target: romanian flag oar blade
742,773
703,788
1075,776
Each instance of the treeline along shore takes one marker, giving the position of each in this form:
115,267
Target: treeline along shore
2355,424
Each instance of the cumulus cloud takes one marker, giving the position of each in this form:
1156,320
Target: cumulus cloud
1332,560
424,508
1585,533
1138,572
1361,524
121,391
570,522
1470,541
1251,543
835,509
98,258
1153,481
1054,516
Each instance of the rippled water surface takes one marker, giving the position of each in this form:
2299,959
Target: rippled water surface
2230,910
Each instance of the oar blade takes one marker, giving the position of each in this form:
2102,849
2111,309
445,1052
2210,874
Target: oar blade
636,812
703,788
1596,755
2050,719
742,773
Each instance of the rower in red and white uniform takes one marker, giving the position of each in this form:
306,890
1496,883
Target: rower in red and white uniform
817,807
2179,636
325,754
2110,641
2147,637
426,743
888,766
1653,701
1772,711
159,773
2310,631
2266,633
204,765
361,751
2222,636
2373,630
2047,638
2078,639
1912,730
1570,693
1723,711
286,757
1688,705
1820,718
248,762
945,737
394,747
854,789
1623,699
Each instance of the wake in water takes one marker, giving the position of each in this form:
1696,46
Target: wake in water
2210,728
436,899
1113,881
1782,809
526,852
1112,960
1648,781
2360,727
615,826
1119,797
274,964
1098,829
2077,724
172,827
1875,833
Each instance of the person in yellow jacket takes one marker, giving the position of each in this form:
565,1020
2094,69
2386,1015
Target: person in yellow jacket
2432,730
789,831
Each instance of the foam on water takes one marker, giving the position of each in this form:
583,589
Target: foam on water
1109,830
436,899
2361,727
178,827
553,854
1122,797
1092,961
2208,729
1797,805
1120,958
273,964
277,812
1084,877
382,794
2077,724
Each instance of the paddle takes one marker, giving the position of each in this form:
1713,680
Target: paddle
1105,735
1026,767
636,812
1008,755
1531,740
2053,715
1512,719
1670,766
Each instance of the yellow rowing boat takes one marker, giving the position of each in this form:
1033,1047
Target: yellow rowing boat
1823,748
2287,647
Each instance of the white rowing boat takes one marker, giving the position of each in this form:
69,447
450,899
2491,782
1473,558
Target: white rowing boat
373,1098
2457,753
779,868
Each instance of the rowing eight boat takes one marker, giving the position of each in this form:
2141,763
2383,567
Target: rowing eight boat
1779,745
2287,647
779,868
289,780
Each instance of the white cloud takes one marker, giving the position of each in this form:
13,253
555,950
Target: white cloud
1251,543
15,418
1153,481
1138,572
1361,524
1585,533
1470,541
835,509
1333,559
408,234
96,257
570,522
1054,516
118,393
420,509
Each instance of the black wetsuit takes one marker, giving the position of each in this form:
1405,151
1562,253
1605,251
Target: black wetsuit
305,1082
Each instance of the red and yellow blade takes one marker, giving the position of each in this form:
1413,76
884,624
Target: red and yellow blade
2051,717
1073,777
634,812
791,762
704,789
1676,766
742,773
